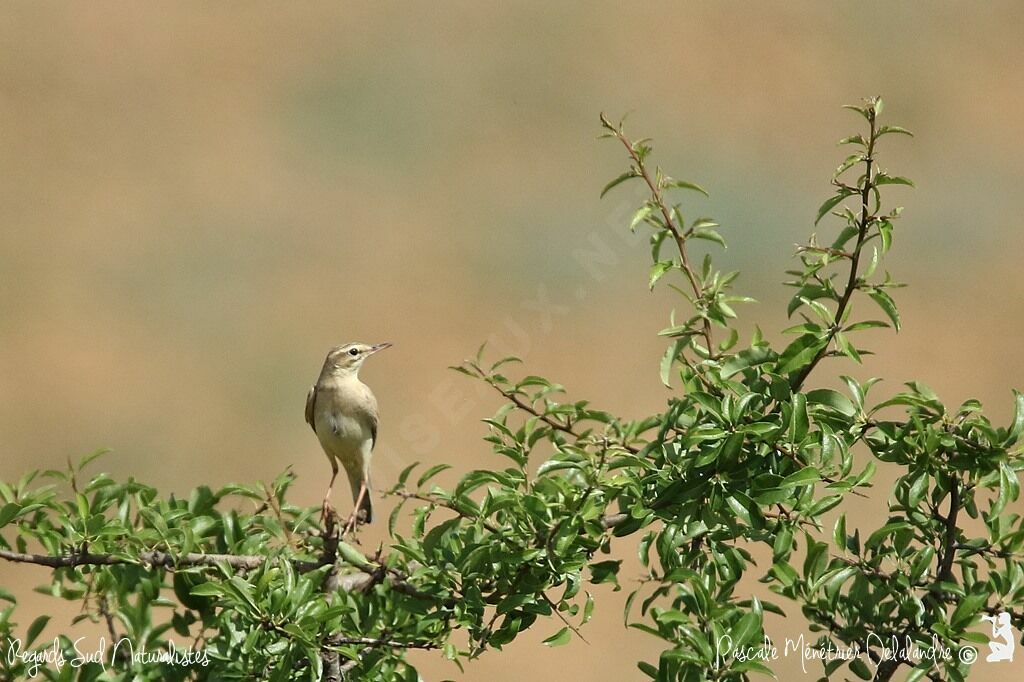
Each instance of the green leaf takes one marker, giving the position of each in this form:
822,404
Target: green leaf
746,629
682,184
1009,487
848,163
628,175
640,216
921,563
845,235
92,456
588,608
798,420
731,448
658,271
729,341
648,669
207,589
824,504
667,360
886,130
919,671
605,572
353,556
804,476
829,204
867,324
745,359
83,505
1012,433
783,545
833,399
885,232
709,235
404,476
839,532
863,111
887,305
917,490
560,638
847,348
35,629
552,465
800,353
967,609
876,538
854,139
786,574
893,180
860,669
8,512
431,472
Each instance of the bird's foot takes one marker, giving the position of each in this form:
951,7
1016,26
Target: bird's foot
355,519
327,514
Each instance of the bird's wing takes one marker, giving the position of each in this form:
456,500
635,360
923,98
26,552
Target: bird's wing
373,431
310,407
364,403
372,414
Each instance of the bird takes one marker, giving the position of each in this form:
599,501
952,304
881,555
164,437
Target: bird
342,411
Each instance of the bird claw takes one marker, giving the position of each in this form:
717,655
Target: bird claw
327,514
351,524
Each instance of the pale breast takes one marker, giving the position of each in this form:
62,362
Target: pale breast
343,418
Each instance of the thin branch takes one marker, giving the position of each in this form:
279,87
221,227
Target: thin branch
851,282
870,571
613,520
352,663
104,609
445,504
242,562
371,642
989,550
573,513
154,558
489,628
676,230
796,460
271,500
329,657
561,617
948,554
564,427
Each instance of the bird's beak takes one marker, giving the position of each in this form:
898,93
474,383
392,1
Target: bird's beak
379,346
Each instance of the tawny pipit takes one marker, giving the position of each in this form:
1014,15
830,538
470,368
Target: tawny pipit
343,413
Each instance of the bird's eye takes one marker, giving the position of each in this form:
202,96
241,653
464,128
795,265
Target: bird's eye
354,352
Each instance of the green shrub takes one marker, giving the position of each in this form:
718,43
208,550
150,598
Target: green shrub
748,456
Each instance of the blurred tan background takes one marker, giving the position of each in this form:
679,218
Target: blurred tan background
198,200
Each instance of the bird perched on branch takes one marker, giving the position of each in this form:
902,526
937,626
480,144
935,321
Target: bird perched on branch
343,414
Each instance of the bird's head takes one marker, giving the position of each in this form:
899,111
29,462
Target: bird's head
348,358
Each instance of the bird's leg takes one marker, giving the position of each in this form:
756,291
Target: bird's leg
327,510
354,518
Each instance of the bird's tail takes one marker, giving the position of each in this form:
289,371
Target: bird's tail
366,506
